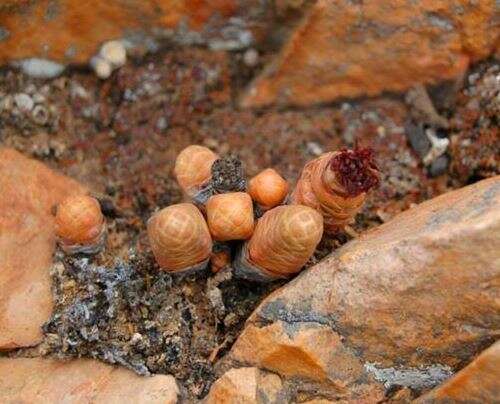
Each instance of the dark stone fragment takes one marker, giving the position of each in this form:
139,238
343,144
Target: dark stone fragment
439,166
108,207
419,142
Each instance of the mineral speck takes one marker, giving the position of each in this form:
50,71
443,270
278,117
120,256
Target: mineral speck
4,34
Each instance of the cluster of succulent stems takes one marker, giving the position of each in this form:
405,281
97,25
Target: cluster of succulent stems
219,223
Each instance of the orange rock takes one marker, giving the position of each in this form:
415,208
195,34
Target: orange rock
29,191
479,382
349,49
30,380
419,290
72,31
306,350
66,30
245,386
195,12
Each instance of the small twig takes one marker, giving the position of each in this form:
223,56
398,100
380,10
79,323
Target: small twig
217,349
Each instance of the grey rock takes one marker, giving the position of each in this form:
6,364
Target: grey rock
40,68
24,102
439,166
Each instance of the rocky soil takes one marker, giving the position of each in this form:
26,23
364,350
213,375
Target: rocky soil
407,298
120,138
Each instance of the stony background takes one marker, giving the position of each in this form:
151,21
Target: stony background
403,310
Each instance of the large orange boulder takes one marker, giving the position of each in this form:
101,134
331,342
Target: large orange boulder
71,31
349,48
405,304
39,380
28,192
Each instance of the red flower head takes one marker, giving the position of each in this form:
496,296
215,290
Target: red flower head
355,170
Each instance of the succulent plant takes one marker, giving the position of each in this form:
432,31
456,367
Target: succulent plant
179,238
336,185
283,241
193,171
268,189
230,216
80,225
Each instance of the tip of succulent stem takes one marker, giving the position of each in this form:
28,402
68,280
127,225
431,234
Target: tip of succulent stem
355,170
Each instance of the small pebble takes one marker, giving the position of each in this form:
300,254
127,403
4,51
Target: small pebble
162,124
251,57
473,78
419,142
24,102
114,52
102,67
41,68
314,148
438,147
381,131
439,166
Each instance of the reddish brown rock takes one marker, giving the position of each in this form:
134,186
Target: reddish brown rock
349,49
246,386
72,31
479,382
36,380
309,351
29,190
407,302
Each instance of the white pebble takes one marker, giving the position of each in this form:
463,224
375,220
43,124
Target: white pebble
40,68
314,148
102,67
438,147
251,57
114,52
24,102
